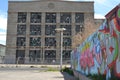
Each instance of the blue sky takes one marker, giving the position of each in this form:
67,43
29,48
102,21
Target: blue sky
101,7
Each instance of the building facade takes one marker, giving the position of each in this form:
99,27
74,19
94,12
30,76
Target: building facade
31,35
2,53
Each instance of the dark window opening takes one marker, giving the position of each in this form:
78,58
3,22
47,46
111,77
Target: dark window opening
67,41
79,18
21,41
50,29
35,17
35,41
79,28
20,56
35,29
65,17
66,54
21,29
34,55
50,18
50,42
22,17
50,55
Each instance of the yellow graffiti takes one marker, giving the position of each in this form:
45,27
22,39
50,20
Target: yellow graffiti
85,47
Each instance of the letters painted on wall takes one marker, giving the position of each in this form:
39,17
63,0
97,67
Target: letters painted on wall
100,52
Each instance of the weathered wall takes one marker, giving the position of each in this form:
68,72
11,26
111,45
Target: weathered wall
100,53
42,6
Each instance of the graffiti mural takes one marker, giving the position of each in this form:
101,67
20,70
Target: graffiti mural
99,53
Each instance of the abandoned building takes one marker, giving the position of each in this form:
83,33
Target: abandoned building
31,35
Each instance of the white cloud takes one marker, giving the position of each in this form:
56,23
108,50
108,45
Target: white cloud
99,16
3,27
3,38
100,1
3,21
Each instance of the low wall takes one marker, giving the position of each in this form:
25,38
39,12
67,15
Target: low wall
80,76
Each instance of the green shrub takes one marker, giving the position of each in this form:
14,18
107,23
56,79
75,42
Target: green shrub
101,77
68,70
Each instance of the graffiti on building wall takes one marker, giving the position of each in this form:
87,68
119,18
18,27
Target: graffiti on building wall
100,52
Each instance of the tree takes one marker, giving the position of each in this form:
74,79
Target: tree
80,37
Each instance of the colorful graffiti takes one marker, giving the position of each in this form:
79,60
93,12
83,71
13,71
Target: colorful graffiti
99,53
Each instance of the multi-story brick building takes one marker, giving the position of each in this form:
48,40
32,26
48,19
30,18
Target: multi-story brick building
31,35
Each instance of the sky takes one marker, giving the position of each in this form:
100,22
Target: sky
101,8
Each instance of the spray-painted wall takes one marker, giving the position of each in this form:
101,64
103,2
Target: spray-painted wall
100,52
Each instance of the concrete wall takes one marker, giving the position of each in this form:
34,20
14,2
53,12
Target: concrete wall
50,6
99,53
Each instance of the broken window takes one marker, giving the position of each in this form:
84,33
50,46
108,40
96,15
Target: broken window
21,29
79,28
50,41
50,29
22,17
65,17
21,41
34,55
35,29
35,17
50,18
67,32
50,55
66,54
67,41
20,56
79,18
35,41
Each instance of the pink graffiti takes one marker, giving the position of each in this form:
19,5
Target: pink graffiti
86,59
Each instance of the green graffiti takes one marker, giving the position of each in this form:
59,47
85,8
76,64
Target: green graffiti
118,13
116,49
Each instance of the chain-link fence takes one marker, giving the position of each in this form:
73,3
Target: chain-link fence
28,60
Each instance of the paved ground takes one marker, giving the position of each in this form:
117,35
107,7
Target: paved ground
28,74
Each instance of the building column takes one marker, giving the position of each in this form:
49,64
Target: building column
73,27
73,24
27,38
58,39
43,38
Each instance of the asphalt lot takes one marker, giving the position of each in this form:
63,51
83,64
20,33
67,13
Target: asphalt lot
25,73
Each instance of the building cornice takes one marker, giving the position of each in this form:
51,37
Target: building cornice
51,1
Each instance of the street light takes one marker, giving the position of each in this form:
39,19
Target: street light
61,48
